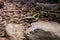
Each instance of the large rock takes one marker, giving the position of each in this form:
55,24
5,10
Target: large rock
2,38
15,31
44,30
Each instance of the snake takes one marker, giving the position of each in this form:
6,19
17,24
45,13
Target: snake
38,14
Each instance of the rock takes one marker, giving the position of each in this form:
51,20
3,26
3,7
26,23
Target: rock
39,34
44,30
2,38
15,31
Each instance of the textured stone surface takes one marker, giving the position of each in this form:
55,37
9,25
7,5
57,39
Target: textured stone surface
15,31
39,34
44,30
2,38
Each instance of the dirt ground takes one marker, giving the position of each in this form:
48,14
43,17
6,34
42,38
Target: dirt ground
11,26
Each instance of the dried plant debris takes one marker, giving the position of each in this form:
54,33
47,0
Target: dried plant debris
2,30
11,7
16,12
